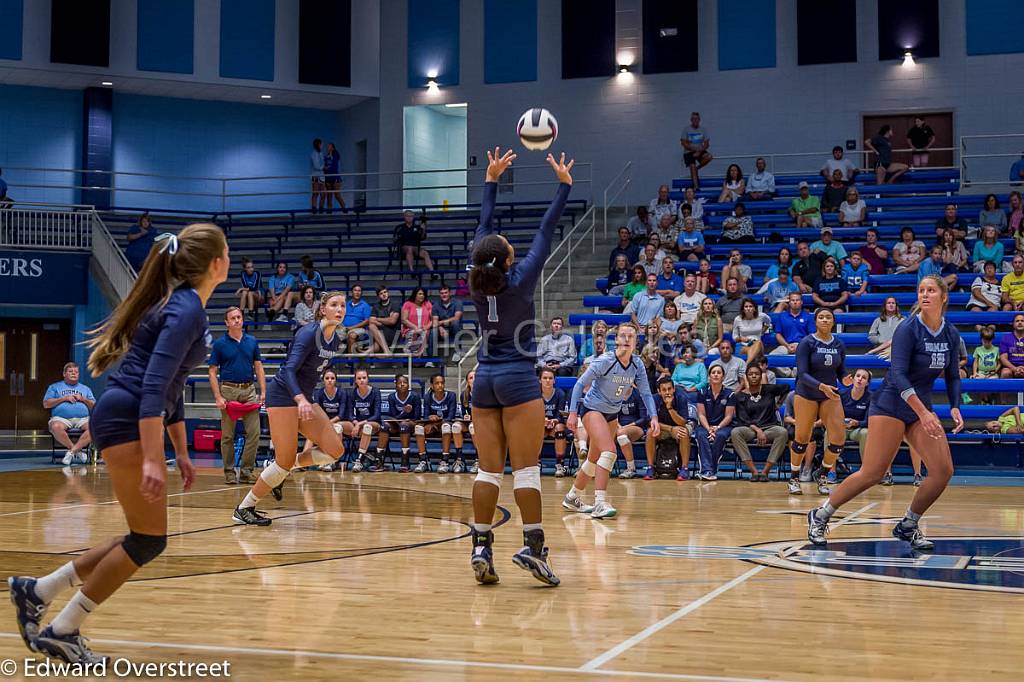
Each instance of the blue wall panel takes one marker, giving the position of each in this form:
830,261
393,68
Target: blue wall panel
247,39
433,41
166,35
994,27
746,34
510,41
10,28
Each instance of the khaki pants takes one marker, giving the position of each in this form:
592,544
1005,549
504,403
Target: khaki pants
227,428
858,435
742,435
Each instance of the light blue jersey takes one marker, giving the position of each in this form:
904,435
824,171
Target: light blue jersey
611,382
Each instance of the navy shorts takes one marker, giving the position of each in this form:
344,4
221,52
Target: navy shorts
810,394
114,419
278,396
505,384
890,404
607,417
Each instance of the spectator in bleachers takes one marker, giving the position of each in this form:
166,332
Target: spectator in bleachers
716,410
1015,217
730,304
954,253
690,374
1013,286
652,356
662,205
767,375
707,282
385,321
853,211
807,270
881,145
670,284
311,276
834,193
857,274
695,141
305,309
747,329
696,205
1009,422
707,327
447,319
640,226
670,322
250,294
757,420
784,261
734,366
805,209
648,304
332,178
409,237
950,221
280,292
637,284
685,337
666,233
837,162
589,349
70,403
830,291
992,215
776,291
357,318
794,324
874,254
141,237
651,263
908,252
738,228
316,174
734,186
760,185
736,268
1011,350
830,247
417,316
689,301
985,363
659,248
618,277
624,247
920,139
986,292
934,265
557,350
884,326
1017,169
690,243
988,249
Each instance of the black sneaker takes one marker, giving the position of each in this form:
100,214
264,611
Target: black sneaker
71,647
250,517
537,564
914,536
278,491
29,608
816,530
482,559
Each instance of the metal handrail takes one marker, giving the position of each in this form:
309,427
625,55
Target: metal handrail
111,259
570,247
965,157
771,157
46,227
469,355
628,168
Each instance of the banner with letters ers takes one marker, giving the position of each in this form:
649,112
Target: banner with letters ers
44,277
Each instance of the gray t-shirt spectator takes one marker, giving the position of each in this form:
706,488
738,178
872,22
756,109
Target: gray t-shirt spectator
729,308
761,182
734,370
561,350
695,136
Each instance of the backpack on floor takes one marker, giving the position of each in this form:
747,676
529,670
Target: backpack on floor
666,459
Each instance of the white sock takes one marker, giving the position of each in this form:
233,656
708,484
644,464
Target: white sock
527,527
631,465
581,445
405,451
481,527
911,518
249,502
575,492
599,495
72,616
49,586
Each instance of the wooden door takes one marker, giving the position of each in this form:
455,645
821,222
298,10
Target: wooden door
940,121
32,356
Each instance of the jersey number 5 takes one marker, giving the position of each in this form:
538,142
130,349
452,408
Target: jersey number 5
492,308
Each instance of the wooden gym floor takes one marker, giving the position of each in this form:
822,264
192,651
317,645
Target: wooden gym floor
367,576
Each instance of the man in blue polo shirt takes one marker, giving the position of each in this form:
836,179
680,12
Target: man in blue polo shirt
357,317
648,304
794,324
70,402
670,284
234,364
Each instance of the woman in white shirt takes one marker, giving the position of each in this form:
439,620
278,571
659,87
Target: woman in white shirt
696,207
747,329
853,211
884,326
985,291
908,252
734,185
305,311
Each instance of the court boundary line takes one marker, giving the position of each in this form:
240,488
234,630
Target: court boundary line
595,663
411,660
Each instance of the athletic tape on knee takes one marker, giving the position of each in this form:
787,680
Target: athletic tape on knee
339,428
367,430
527,477
799,448
273,475
472,431
588,467
419,430
488,477
456,427
607,460
446,428
320,457
142,549
622,439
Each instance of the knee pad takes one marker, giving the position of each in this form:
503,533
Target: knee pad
319,457
799,448
419,430
588,467
835,449
142,549
607,460
622,439
559,435
405,427
456,427
472,431
488,477
367,430
446,428
527,477
274,475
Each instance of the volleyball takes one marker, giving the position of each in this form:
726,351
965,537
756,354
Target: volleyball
537,129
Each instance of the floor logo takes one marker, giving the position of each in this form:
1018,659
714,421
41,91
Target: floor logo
991,564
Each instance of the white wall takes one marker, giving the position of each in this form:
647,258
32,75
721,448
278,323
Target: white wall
434,140
785,109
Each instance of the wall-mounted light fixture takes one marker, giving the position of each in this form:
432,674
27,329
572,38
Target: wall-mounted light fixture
908,58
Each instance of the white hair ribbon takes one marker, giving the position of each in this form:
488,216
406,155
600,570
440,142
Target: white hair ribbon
171,243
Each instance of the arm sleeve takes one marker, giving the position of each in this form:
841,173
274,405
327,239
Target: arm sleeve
803,367
484,228
178,415
177,334
645,391
375,407
529,268
953,379
900,354
585,380
301,346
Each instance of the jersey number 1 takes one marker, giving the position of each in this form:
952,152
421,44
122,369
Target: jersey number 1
492,308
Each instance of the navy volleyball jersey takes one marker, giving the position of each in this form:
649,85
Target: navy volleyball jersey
854,408
253,282
308,356
918,357
633,411
396,408
554,405
169,342
366,407
506,319
446,407
818,362
333,405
